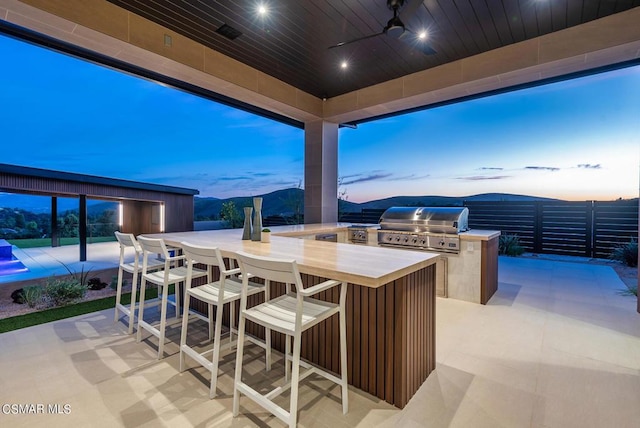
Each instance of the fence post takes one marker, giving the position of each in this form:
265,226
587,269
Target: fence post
589,214
537,230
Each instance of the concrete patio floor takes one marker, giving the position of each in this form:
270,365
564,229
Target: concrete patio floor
557,346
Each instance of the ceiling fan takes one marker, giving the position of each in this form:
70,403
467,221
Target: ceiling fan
395,27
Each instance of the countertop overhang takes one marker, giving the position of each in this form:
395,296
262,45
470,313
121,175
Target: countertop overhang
370,266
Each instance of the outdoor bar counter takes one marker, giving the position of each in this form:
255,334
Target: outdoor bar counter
390,304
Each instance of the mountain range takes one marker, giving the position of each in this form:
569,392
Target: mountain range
283,202
280,202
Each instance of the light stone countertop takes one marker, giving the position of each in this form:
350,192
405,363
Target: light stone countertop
479,235
370,266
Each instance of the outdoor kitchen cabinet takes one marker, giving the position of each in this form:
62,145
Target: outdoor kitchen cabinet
472,274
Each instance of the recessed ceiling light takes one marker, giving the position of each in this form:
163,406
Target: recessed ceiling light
262,10
344,65
422,35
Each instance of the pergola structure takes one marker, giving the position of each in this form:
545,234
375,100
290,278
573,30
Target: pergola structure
283,67
145,207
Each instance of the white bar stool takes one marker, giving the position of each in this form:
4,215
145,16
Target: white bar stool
215,293
126,241
290,314
170,274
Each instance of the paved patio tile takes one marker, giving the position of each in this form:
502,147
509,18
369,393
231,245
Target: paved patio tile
557,346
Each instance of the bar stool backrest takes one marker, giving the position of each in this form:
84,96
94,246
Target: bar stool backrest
206,255
268,268
154,246
127,240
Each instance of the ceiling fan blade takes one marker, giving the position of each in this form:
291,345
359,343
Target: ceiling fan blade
370,36
409,9
426,49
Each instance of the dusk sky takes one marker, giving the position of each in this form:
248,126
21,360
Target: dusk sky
573,140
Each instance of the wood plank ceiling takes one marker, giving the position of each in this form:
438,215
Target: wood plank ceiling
291,42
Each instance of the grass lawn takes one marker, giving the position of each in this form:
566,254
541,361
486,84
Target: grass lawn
46,242
55,314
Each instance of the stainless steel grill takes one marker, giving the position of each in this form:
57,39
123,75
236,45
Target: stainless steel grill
424,228
358,233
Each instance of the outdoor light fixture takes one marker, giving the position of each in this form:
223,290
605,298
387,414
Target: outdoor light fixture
344,65
161,217
120,215
422,35
262,10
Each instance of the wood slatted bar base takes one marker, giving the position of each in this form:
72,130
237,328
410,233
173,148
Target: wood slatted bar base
390,305
391,336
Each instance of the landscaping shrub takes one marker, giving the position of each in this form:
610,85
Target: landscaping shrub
81,277
509,245
114,282
61,292
32,295
626,253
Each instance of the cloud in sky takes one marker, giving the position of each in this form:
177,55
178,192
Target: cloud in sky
409,177
378,175
542,168
484,177
490,168
363,178
589,166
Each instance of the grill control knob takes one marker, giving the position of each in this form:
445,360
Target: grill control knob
397,239
441,243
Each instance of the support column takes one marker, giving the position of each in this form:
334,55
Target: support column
55,240
82,227
320,172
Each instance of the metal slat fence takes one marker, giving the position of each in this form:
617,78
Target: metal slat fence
590,229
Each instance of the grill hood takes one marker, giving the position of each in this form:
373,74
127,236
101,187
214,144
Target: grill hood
451,220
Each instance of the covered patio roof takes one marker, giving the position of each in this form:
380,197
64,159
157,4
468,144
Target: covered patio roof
284,65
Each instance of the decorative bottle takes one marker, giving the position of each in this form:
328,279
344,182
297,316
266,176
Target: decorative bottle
246,233
256,234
